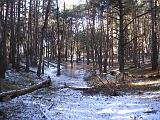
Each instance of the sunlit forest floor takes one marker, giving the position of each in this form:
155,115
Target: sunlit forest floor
75,96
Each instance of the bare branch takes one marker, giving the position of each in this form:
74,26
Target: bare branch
133,39
138,17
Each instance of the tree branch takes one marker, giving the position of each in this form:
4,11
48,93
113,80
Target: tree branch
6,96
138,17
133,39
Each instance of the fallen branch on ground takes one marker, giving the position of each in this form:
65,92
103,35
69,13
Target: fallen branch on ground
6,96
76,87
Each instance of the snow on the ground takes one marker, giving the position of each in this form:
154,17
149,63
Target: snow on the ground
68,104
73,105
17,109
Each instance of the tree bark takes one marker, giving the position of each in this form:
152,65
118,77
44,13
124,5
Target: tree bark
121,38
154,36
58,43
12,39
6,96
18,36
2,72
42,37
3,51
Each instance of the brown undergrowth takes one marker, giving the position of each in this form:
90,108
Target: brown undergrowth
136,81
9,86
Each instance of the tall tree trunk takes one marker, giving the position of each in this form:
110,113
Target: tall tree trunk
12,39
154,35
42,37
87,46
121,38
93,46
135,57
100,42
58,43
66,46
64,31
29,38
2,72
36,32
4,39
18,36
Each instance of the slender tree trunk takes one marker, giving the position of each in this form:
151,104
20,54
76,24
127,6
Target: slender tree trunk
42,38
18,37
87,46
121,38
58,43
135,57
101,41
2,71
4,39
12,39
154,36
28,49
66,46
36,32
93,40
64,31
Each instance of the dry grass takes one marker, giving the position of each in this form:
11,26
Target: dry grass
149,81
9,86
101,85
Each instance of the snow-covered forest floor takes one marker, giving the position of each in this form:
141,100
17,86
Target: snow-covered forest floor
60,103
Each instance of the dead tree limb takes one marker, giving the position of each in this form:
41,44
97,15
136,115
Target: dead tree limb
6,96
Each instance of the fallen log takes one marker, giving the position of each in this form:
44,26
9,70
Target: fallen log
78,88
6,96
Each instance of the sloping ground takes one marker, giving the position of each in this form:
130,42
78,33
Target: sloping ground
136,81
59,103
148,81
18,110
133,86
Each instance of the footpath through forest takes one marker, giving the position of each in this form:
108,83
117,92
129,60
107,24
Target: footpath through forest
61,103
